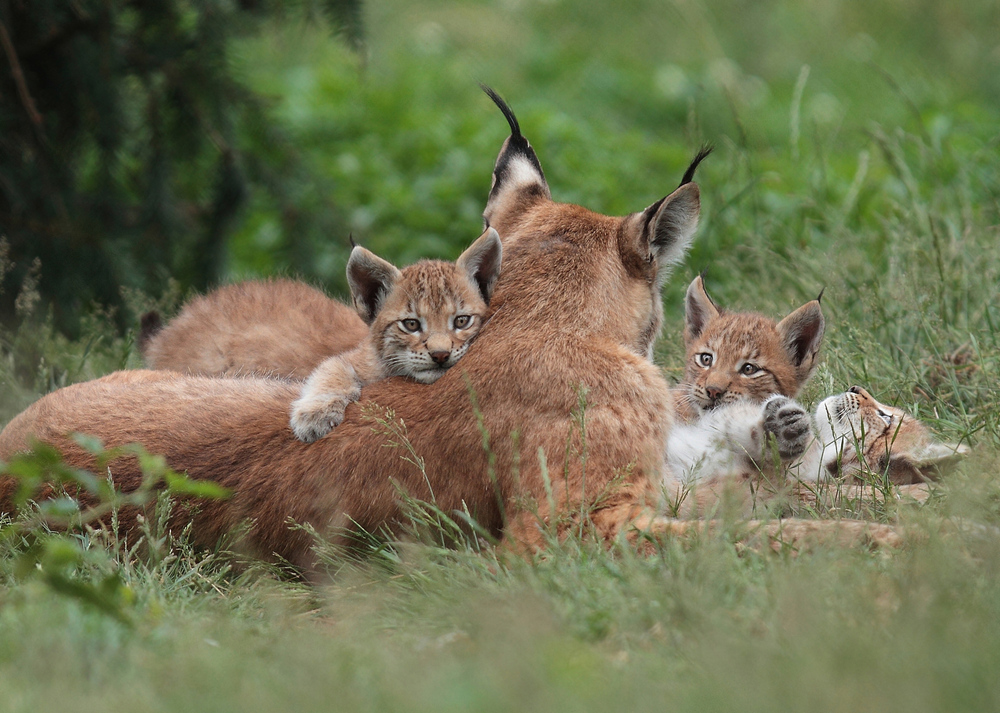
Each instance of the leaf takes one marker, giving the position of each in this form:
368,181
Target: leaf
91,444
183,485
61,507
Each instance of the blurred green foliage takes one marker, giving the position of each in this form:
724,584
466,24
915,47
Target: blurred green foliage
128,148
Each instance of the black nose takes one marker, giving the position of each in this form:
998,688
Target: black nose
855,389
440,357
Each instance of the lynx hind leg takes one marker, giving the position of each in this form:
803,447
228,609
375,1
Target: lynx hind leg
324,398
790,424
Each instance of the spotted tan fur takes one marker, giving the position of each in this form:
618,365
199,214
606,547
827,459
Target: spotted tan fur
281,328
422,321
528,370
734,356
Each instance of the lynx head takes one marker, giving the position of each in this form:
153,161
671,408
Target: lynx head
423,318
860,435
606,272
744,355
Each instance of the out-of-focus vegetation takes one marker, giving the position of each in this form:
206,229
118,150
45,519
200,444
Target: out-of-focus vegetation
857,150
128,147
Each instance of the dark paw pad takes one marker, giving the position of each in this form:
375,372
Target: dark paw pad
790,424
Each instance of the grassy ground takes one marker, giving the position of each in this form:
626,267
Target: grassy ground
856,151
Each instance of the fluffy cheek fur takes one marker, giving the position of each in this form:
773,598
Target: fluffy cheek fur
754,388
403,354
849,432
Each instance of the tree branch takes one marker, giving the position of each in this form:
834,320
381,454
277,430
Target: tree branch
18,75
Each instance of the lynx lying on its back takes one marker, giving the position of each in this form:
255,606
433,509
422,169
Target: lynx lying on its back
422,320
855,436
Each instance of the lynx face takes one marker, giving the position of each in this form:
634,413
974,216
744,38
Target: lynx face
734,356
428,321
423,318
858,435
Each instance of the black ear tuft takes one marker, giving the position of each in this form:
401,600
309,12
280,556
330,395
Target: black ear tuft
350,237
819,297
515,128
517,170
702,154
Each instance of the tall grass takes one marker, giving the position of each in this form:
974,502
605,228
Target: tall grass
856,152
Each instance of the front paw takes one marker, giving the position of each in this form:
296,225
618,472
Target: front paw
315,416
790,424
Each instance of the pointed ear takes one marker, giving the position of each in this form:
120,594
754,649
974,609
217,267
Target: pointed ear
668,227
937,455
481,262
802,334
371,279
902,470
517,175
699,310
928,461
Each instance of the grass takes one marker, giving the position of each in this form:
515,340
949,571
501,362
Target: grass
856,152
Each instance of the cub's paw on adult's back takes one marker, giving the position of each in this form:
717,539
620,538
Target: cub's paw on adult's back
315,415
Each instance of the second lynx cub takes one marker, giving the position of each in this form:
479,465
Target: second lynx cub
735,362
421,321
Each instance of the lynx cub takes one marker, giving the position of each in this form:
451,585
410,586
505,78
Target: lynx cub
422,320
743,370
735,362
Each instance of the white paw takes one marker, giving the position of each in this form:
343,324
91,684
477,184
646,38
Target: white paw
314,416
789,423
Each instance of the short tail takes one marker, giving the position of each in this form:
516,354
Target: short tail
150,324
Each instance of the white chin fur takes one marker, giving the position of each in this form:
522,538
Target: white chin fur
428,376
825,418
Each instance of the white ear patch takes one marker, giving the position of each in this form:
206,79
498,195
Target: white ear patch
520,172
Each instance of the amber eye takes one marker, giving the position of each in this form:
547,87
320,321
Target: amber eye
704,359
749,369
411,325
462,321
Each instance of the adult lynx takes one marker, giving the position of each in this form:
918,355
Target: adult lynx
421,322
525,373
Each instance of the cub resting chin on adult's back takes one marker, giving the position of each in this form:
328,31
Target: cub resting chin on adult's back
421,321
